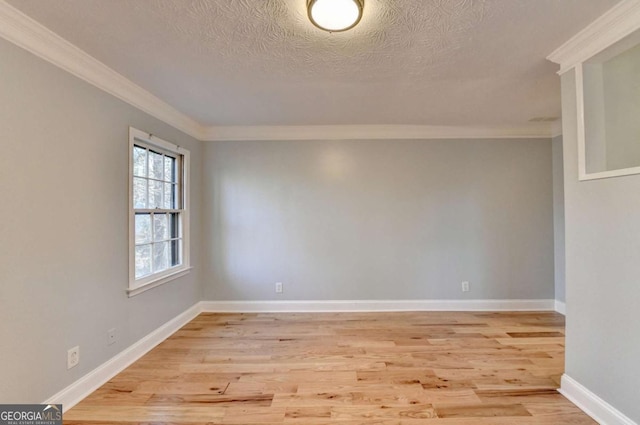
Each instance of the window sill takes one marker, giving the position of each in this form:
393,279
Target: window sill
160,281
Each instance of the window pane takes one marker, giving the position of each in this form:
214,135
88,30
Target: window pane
155,194
139,193
155,165
160,256
160,227
139,161
169,169
174,226
143,260
169,197
175,252
143,228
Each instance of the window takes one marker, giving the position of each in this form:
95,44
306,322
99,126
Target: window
608,102
158,211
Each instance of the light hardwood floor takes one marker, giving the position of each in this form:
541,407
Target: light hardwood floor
348,368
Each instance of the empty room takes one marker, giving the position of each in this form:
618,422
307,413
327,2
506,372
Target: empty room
390,212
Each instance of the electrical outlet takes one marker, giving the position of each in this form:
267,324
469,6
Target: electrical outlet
73,357
111,336
278,287
466,287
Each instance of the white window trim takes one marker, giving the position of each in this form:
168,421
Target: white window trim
583,174
144,284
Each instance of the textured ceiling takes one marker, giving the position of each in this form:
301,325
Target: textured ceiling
260,62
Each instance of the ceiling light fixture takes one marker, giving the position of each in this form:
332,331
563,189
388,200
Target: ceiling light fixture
335,15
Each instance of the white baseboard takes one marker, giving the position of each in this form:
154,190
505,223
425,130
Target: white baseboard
375,305
74,393
561,307
601,411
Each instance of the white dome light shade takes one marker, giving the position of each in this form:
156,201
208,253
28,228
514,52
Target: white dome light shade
335,15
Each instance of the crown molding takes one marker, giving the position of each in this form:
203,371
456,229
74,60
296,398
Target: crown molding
32,36
374,132
613,26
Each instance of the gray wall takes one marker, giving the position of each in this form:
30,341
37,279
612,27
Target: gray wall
63,256
558,217
378,219
602,269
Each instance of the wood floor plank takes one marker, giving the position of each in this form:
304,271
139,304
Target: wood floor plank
538,332
409,368
481,411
